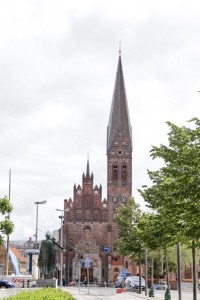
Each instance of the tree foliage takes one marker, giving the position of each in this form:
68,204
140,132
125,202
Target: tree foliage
127,218
6,225
176,186
174,200
175,193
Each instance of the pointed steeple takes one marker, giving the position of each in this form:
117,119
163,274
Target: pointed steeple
88,168
119,114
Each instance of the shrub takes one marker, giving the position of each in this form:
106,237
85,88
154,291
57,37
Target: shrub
44,294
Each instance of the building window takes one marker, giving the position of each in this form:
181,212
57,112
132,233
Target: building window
123,198
115,258
115,197
116,270
124,175
103,272
114,173
115,245
70,246
86,248
102,244
126,264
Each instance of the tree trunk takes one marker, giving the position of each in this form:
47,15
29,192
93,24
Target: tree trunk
194,271
152,272
179,271
140,289
166,268
146,271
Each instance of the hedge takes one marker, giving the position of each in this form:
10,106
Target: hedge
44,294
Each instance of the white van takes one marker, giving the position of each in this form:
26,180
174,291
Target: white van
133,282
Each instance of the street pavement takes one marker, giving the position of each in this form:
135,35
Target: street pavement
100,293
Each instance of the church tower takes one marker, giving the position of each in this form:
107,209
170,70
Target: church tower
89,227
119,148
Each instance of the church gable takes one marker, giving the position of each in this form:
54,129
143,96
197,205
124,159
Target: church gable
87,204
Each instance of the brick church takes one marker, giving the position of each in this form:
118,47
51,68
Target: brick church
89,227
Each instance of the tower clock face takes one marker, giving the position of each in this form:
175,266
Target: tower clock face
96,192
79,192
104,205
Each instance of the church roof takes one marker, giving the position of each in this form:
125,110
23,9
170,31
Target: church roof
119,114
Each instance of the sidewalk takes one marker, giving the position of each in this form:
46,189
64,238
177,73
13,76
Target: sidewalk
110,295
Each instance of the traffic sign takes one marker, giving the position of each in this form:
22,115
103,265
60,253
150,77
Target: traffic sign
106,249
123,273
87,260
32,251
79,263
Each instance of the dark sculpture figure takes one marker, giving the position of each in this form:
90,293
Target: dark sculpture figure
47,256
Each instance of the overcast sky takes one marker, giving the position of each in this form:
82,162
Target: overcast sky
58,61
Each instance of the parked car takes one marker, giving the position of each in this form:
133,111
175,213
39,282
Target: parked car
5,284
160,285
119,282
132,282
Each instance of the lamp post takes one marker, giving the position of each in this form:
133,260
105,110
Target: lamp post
36,230
146,271
146,260
61,242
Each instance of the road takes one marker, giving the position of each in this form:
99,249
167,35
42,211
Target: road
101,293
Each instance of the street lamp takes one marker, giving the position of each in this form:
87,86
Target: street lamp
61,242
36,230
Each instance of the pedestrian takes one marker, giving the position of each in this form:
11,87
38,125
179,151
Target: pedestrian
85,281
64,281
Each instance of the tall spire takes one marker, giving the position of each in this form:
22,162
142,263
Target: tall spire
88,167
119,115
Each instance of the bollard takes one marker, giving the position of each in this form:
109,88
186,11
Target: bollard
105,283
151,292
167,294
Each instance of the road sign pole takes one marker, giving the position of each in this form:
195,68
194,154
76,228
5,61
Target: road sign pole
88,280
79,278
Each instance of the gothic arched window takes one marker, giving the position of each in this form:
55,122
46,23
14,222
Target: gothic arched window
124,174
115,197
114,173
123,198
86,248
102,245
116,270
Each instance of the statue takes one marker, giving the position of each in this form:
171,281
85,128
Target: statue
47,256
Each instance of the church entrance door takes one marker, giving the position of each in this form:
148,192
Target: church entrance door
84,274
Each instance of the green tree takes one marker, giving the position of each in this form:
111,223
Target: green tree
6,225
139,231
129,242
127,219
156,232
176,186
